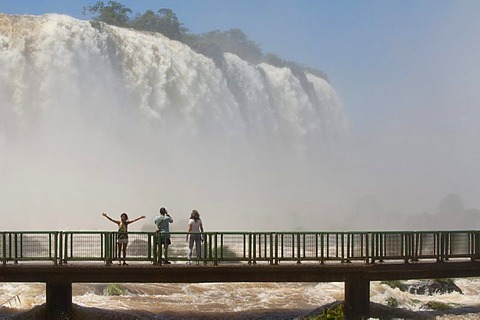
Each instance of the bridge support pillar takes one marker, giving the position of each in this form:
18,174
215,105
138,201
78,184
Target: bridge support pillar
357,297
59,301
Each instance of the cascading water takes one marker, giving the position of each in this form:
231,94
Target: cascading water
97,118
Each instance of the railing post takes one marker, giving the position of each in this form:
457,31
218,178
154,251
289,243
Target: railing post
271,248
10,244
448,242
149,246
206,245
379,244
381,247
249,248
304,246
210,246
4,248
215,249
381,251
322,248
15,247
293,245
471,245
440,247
222,247
298,248
50,246
349,245
276,248
367,246
406,247
443,244
109,248
337,255
373,249
413,236
55,254
60,247
254,248
418,245
327,246
71,245
65,249
155,248
476,245
282,253
265,244
104,247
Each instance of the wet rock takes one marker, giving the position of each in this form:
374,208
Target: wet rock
377,311
436,286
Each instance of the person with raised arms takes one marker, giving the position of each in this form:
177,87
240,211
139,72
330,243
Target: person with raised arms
122,236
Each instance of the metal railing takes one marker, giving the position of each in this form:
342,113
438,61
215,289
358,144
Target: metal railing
62,247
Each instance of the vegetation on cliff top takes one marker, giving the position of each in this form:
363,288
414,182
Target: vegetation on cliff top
211,44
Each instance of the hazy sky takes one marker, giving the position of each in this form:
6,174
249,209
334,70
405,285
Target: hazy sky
385,58
407,72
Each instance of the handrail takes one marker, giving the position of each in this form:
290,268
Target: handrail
62,247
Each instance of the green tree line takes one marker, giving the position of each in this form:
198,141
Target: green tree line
211,44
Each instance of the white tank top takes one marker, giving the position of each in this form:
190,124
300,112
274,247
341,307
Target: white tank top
195,224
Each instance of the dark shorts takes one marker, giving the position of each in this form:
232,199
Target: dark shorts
166,240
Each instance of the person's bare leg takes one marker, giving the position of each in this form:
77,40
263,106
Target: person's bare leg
124,249
119,251
166,251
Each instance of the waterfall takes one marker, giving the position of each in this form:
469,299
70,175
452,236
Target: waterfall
95,116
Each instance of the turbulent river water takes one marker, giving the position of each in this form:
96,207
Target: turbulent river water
226,300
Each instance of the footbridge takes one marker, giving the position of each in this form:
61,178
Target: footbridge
60,258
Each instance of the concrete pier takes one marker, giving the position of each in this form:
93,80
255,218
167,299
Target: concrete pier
59,300
357,297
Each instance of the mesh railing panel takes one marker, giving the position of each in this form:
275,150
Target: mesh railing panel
459,244
29,245
89,245
248,247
